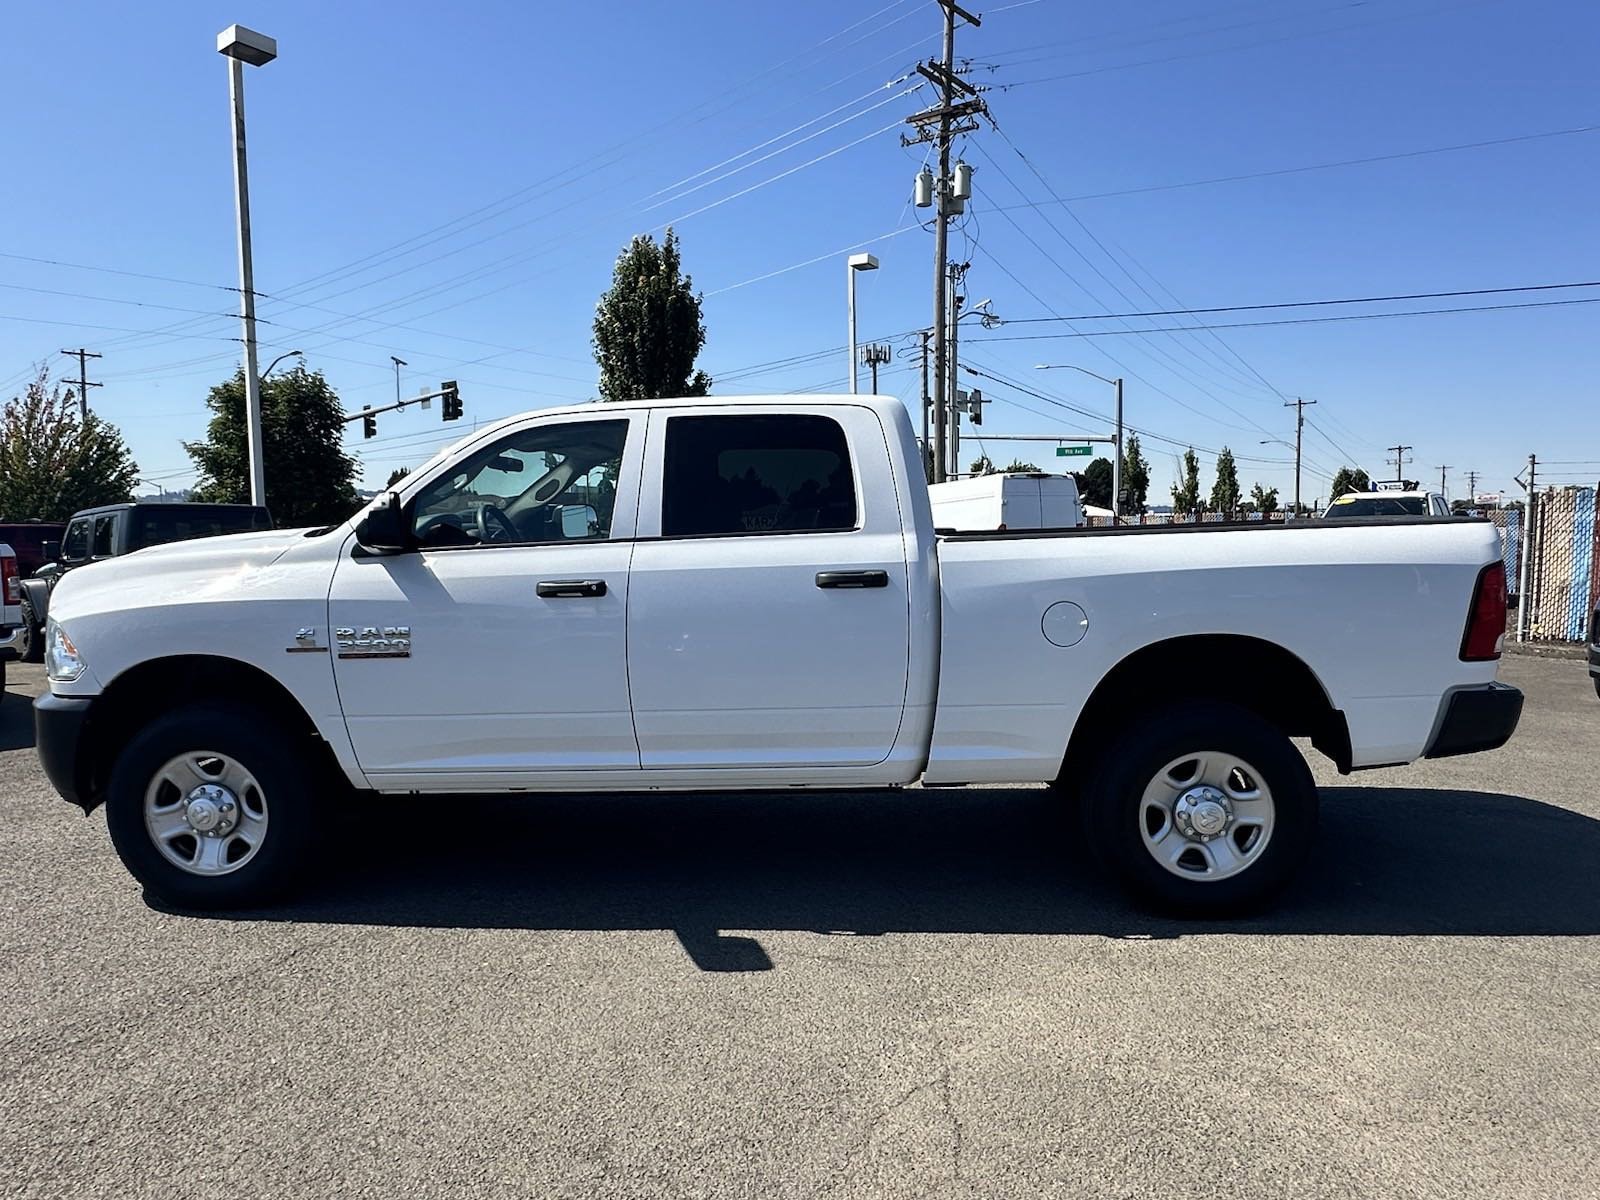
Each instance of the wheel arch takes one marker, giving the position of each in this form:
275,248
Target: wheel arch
37,593
156,686
1255,674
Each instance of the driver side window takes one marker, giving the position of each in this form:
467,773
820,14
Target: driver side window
546,483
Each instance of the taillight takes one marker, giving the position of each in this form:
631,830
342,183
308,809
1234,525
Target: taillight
13,587
1486,621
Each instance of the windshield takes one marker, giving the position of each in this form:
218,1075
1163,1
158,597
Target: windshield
1378,506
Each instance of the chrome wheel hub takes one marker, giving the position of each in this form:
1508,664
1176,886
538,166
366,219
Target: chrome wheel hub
205,813
211,809
1206,816
1202,813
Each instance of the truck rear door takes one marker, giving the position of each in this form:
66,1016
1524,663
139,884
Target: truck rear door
768,612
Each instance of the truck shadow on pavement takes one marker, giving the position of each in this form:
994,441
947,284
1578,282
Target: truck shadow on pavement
1388,861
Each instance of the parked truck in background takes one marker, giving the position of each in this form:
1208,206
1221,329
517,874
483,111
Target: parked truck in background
755,597
10,608
113,530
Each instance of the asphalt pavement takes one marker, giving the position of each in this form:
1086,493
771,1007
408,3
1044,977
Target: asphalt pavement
905,994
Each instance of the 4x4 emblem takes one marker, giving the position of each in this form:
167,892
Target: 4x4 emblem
373,641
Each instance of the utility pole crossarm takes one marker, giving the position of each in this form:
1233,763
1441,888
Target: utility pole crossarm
82,381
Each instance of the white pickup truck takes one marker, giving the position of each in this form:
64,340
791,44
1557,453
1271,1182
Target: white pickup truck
748,593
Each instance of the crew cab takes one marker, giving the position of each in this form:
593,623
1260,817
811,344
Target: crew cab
113,530
748,593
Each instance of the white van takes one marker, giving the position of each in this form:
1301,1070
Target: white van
1020,501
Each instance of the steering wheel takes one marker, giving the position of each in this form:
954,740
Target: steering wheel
493,525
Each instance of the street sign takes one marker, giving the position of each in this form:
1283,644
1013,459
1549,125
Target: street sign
1074,451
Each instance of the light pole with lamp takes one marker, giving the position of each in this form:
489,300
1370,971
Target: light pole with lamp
1116,458
1295,511
856,262
286,354
242,46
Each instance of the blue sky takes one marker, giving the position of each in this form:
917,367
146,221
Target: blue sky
460,179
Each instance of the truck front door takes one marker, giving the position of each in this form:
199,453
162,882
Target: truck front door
496,650
768,610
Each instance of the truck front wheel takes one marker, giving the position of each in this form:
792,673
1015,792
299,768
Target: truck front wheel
30,647
1203,809
211,807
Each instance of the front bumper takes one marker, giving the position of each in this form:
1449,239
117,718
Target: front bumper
58,723
1477,719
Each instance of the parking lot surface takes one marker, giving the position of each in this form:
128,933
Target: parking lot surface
903,994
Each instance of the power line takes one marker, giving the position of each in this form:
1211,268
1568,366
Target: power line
1420,312
1229,308
1289,37
1327,166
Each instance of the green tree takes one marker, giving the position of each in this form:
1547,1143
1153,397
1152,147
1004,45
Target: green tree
1264,500
55,461
1186,492
1018,467
396,475
1094,486
1349,479
1225,492
310,479
982,466
1135,479
647,326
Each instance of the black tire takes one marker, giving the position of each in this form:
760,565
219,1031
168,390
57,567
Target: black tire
280,764
1115,811
1595,679
30,648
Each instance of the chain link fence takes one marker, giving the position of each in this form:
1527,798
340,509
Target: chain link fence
1561,561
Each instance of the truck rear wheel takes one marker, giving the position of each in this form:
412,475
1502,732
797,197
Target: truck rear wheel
1202,809
211,807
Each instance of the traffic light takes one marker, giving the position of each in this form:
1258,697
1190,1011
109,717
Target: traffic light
369,424
976,402
452,400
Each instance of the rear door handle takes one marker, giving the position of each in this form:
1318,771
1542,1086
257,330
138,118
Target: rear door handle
565,589
852,579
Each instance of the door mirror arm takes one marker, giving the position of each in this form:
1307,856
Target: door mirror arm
384,529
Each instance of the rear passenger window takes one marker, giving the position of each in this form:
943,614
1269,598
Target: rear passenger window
756,474
104,529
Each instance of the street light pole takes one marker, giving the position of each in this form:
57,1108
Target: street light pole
856,262
241,46
1116,459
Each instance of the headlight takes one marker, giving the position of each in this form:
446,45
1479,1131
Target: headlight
62,662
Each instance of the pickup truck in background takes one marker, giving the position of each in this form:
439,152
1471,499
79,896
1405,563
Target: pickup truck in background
114,530
30,540
10,608
749,593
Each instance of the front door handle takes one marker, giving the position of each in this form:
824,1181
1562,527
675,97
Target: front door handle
567,589
852,579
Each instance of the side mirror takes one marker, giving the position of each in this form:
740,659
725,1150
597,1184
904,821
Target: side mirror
384,530
50,551
578,520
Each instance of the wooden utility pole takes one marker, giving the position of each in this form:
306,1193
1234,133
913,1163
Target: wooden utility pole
1400,461
940,125
927,458
83,383
1299,406
1442,470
